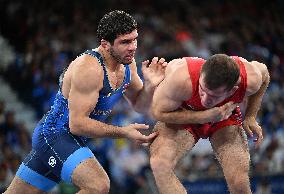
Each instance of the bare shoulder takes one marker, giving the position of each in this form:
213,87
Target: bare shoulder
179,79
256,74
173,64
87,74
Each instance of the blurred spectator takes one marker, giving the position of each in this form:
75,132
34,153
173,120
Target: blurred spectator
2,111
263,187
4,182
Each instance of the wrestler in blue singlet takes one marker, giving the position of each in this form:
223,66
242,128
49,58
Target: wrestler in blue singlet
55,151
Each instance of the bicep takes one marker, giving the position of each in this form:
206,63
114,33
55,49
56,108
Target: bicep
86,83
164,99
81,103
174,89
257,76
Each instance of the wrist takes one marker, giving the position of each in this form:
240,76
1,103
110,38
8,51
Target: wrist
124,131
149,87
249,117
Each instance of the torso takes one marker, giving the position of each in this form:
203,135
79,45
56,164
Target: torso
115,78
56,121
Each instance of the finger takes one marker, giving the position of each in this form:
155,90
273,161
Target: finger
144,64
160,64
161,61
140,126
227,116
145,144
248,131
228,113
150,138
165,64
162,67
230,106
154,63
233,107
226,106
259,138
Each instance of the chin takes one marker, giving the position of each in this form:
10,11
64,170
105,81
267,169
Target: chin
127,61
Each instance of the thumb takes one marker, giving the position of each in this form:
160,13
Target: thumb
145,64
140,126
151,137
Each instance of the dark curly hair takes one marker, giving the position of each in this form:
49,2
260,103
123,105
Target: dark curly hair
220,70
115,23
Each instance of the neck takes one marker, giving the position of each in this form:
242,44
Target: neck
109,61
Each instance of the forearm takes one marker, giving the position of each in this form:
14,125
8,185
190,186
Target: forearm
144,99
254,101
92,128
182,116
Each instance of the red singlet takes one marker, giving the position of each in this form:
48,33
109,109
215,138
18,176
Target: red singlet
194,103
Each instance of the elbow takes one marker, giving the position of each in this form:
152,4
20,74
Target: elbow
139,109
75,126
158,115
267,80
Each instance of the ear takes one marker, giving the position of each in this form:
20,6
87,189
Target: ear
105,44
233,89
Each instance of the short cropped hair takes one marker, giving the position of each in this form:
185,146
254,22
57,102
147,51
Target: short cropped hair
220,70
115,23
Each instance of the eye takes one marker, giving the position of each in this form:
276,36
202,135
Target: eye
124,42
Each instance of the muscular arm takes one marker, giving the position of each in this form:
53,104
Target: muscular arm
139,95
86,82
172,92
258,83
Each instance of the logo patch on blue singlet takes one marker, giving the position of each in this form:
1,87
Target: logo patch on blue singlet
52,161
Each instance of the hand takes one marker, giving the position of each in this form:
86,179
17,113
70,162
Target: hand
221,113
252,127
132,132
155,72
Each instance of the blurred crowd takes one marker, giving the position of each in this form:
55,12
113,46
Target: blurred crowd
15,143
46,37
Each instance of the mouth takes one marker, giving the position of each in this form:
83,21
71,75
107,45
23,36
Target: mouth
129,57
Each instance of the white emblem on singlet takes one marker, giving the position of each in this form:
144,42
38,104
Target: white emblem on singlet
51,161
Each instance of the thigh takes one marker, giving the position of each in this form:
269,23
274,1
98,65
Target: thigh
18,186
172,142
34,174
64,153
89,172
231,149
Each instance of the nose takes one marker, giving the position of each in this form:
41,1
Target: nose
133,45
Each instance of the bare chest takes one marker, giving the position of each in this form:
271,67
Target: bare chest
116,78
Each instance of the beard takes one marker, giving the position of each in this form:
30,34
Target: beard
118,57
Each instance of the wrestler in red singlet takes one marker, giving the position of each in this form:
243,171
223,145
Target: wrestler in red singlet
194,103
